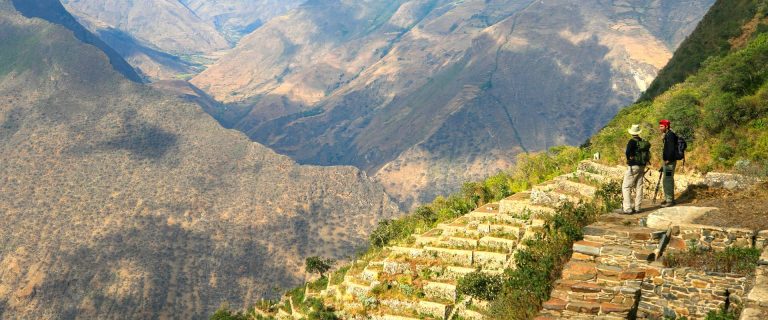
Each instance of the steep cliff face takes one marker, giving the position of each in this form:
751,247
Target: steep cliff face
118,201
425,94
53,11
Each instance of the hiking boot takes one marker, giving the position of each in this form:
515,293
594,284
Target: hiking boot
667,204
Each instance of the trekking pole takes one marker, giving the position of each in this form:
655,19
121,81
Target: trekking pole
655,193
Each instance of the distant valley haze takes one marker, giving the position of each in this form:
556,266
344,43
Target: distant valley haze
422,94
160,157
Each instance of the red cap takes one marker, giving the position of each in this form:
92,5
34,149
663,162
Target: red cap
664,122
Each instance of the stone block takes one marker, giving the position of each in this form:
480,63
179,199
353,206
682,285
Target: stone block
616,251
470,315
554,304
434,309
759,293
459,257
411,252
582,257
754,314
493,242
438,290
394,267
357,290
632,275
613,308
763,257
583,307
579,271
587,247
461,242
453,272
586,287
490,260
370,274
608,270
761,240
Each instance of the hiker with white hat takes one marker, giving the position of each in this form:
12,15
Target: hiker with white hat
638,156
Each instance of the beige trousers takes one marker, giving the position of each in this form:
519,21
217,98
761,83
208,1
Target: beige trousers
633,180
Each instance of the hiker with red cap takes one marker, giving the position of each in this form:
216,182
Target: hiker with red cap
670,157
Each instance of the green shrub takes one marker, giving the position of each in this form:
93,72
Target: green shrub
540,263
480,285
731,260
722,315
319,284
338,276
319,265
609,196
225,314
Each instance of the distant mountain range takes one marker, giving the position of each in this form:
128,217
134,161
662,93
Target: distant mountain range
425,94
169,39
120,201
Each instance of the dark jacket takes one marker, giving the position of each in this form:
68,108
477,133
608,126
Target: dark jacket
632,151
670,146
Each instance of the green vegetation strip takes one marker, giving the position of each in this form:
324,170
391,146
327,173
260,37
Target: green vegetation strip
519,292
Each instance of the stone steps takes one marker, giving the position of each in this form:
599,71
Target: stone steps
756,306
416,308
601,169
603,279
553,194
520,204
484,239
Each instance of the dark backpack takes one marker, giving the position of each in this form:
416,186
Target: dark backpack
643,152
681,146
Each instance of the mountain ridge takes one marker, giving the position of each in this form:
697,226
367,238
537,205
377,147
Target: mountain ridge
120,201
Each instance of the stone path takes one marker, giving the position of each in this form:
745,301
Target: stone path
614,273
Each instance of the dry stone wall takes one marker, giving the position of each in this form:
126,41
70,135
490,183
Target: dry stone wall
684,292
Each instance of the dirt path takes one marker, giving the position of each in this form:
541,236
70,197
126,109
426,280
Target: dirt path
741,208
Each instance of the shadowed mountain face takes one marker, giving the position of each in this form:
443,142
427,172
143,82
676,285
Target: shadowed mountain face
120,202
53,11
424,94
166,38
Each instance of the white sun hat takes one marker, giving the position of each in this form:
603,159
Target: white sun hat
635,130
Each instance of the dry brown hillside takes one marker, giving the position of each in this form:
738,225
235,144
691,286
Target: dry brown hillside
118,201
426,94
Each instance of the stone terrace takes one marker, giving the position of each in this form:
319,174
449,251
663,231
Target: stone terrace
418,280
614,272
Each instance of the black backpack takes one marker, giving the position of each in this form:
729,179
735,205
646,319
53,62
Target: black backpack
681,147
643,152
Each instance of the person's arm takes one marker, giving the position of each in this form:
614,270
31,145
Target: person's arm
670,144
630,152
